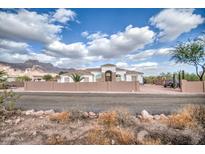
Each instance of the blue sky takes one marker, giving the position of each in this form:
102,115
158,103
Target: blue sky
136,39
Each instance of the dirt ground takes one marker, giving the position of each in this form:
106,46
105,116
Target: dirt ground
47,127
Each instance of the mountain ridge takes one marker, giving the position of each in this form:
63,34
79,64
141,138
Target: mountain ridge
46,67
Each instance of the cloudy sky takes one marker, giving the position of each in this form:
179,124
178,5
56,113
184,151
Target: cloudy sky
137,39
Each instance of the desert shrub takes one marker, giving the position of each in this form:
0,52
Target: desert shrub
8,99
77,115
96,136
112,135
60,117
115,118
184,118
198,114
108,119
171,137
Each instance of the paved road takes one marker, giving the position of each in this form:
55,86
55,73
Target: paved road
154,103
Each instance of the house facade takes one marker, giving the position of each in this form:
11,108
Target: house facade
107,72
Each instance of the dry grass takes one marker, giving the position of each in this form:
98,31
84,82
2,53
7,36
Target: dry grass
183,119
199,114
116,118
151,141
112,135
108,119
60,117
96,136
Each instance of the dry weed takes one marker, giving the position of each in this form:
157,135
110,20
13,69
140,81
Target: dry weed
60,117
108,119
116,118
183,118
112,135
151,141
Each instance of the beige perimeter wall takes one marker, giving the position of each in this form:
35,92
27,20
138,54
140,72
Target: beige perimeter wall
193,86
122,86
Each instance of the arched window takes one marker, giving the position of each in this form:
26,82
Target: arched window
108,76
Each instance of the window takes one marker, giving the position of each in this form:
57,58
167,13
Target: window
86,79
66,79
134,78
98,76
118,77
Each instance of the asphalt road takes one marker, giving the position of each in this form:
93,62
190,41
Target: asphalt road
135,103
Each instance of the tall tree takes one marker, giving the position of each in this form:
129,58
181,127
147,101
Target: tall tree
48,77
191,53
23,78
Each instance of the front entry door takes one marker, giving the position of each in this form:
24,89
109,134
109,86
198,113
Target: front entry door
108,76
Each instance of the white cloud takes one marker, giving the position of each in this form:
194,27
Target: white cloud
27,25
144,55
64,15
148,68
121,64
146,65
97,35
131,39
14,47
74,50
84,34
173,22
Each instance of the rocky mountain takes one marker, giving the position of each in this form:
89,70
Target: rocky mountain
35,65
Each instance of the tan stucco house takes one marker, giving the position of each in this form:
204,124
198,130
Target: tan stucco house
107,72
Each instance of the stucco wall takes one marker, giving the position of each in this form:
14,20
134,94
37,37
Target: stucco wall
122,74
108,68
193,86
83,86
62,79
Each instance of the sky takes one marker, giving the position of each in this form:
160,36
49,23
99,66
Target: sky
135,39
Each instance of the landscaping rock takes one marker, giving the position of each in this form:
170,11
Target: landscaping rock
92,115
146,115
163,117
17,121
38,113
141,135
8,121
49,112
156,117
29,112
85,114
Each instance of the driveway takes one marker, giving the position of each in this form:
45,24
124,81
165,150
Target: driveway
158,89
133,102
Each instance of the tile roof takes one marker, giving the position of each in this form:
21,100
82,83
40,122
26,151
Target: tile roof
108,65
89,70
80,72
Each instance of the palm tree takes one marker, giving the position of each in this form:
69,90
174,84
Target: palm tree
76,77
191,53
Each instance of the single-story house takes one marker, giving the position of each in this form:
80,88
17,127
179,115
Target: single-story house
107,72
